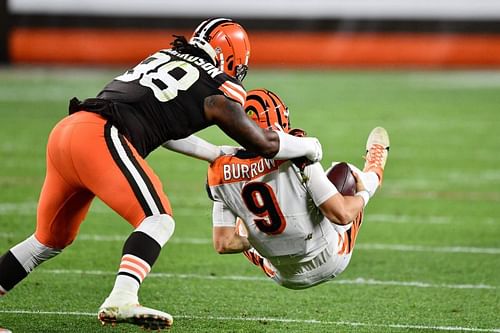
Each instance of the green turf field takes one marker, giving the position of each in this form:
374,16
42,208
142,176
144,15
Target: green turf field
427,258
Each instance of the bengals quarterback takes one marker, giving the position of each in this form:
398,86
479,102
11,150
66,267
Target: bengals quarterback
286,216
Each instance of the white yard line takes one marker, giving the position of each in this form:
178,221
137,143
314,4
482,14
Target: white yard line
359,246
428,248
410,219
277,320
357,281
455,80
29,209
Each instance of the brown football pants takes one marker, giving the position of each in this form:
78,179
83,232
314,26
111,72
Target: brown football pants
87,157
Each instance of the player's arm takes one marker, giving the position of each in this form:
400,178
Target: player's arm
231,118
226,240
225,236
195,147
341,209
334,206
199,148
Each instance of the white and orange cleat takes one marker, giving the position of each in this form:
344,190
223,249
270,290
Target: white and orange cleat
241,229
377,150
255,258
149,319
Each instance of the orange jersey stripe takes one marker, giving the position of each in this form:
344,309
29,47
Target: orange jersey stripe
234,92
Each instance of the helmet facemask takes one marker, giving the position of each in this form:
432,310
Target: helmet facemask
241,71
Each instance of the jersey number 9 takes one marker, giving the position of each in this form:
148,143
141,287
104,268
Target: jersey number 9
261,201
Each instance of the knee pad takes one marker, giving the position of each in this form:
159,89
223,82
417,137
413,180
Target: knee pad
159,227
30,253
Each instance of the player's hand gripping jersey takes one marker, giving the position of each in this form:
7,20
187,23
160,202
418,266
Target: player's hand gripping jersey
162,98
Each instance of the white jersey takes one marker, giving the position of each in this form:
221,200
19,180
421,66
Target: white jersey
278,206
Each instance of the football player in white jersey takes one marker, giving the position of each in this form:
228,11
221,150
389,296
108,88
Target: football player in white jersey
288,218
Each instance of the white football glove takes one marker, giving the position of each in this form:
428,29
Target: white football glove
316,154
293,147
228,150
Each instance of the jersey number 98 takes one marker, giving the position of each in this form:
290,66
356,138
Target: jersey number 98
156,73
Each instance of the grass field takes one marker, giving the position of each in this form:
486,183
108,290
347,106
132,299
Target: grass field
427,258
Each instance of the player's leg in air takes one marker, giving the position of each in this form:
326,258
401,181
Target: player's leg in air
377,150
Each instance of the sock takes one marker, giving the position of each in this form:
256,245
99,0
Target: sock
134,267
2,291
11,272
139,254
17,263
125,291
369,179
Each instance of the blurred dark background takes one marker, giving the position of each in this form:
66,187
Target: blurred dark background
317,33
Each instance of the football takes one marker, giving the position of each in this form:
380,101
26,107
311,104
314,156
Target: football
341,176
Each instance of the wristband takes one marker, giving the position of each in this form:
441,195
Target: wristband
365,195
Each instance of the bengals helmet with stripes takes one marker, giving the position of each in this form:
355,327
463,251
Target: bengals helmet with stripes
268,110
226,42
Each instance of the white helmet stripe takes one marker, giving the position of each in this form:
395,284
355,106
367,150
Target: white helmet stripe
206,26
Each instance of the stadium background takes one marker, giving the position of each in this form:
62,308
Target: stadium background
427,258
389,33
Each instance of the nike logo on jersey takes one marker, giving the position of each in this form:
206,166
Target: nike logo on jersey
207,66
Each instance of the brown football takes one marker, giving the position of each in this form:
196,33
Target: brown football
341,176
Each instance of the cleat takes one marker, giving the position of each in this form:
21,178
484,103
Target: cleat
135,314
255,258
377,150
240,227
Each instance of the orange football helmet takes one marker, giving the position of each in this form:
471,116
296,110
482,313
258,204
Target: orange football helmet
226,42
268,110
